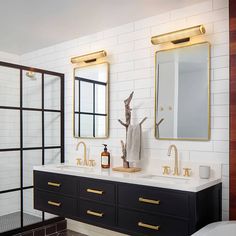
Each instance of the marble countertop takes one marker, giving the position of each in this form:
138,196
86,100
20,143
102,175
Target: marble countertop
191,184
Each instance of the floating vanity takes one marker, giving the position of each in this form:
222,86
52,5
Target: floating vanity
134,204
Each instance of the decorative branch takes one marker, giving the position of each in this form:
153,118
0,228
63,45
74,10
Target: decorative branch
122,123
126,125
143,120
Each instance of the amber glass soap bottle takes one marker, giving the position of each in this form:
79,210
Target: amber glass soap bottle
105,158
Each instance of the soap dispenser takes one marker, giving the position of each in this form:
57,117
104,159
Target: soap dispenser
105,158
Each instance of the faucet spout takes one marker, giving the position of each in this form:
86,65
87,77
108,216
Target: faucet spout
85,151
176,167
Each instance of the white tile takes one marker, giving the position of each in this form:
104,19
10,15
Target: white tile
136,74
118,30
151,21
121,67
217,4
221,38
221,73
220,62
191,10
221,99
143,83
134,35
142,43
220,110
134,55
221,146
221,123
220,134
221,26
220,86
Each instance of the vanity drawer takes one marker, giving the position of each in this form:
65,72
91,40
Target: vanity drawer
97,213
154,200
63,184
151,225
54,203
98,190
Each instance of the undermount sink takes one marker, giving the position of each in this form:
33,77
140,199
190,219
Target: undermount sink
166,179
73,167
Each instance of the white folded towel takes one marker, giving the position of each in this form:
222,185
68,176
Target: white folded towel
133,145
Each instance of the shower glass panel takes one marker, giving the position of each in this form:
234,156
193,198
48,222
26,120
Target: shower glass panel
32,129
9,163
10,211
31,133
30,215
31,158
52,92
10,128
10,87
32,90
52,156
52,128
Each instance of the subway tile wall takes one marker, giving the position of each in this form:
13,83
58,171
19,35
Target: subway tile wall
131,58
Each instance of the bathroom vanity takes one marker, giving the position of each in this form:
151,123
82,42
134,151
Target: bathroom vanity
134,204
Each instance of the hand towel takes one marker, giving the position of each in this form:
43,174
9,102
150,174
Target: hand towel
133,145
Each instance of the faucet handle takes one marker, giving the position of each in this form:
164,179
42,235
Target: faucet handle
187,172
79,161
91,163
166,170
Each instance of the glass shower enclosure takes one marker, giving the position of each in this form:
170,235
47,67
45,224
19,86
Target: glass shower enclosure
31,133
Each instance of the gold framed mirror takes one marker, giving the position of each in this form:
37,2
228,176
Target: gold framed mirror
91,101
182,93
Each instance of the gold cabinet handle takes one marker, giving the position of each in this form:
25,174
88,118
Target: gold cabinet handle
54,184
57,204
145,200
154,227
94,213
89,190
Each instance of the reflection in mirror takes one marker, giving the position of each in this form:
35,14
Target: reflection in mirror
91,101
182,93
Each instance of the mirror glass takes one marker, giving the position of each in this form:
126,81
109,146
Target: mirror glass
182,93
91,101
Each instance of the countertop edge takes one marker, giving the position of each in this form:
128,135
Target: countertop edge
132,178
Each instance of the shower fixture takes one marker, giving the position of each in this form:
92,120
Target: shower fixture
31,75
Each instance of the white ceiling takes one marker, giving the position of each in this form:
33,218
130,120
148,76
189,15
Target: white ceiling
28,25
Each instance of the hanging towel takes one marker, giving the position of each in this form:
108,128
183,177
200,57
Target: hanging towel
133,145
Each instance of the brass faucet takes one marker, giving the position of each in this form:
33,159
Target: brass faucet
85,163
176,168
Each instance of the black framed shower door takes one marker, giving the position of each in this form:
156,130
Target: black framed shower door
48,117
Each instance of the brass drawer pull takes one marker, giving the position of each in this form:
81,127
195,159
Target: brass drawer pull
89,190
54,184
57,204
145,200
94,213
154,227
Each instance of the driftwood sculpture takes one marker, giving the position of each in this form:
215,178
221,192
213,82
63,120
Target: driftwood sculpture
126,125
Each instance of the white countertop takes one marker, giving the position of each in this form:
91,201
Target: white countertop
142,178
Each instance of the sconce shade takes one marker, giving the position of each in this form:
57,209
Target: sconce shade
179,36
87,58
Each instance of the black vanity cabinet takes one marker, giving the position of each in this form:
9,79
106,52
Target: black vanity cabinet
128,208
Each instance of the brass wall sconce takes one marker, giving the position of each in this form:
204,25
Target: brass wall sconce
87,58
179,36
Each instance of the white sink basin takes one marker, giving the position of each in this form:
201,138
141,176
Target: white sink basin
73,167
166,179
